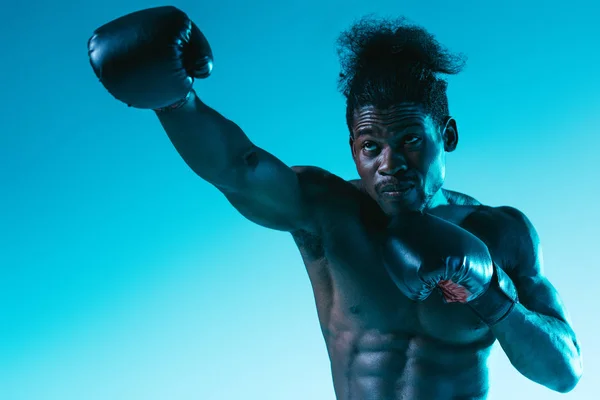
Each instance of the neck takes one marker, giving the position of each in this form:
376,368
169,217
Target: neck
438,199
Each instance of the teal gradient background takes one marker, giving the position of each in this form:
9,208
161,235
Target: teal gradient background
124,276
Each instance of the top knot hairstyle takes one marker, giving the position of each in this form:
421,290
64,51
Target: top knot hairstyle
388,61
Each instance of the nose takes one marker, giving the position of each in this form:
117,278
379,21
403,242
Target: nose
392,163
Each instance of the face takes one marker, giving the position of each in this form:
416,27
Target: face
400,155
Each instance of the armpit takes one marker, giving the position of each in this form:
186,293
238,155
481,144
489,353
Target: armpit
310,245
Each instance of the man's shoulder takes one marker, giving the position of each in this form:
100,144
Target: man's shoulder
501,218
513,223
317,181
507,231
460,199
505,218
335,200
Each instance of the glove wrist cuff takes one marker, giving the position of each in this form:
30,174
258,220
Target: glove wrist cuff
176,105
496,303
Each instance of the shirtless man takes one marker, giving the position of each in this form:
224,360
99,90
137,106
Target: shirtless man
413,283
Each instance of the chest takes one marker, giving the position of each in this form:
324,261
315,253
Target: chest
363,297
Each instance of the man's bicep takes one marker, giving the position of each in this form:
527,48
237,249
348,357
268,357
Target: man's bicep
274,195
535,291
537,294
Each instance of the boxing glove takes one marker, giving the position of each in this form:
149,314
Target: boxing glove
149,59
423,253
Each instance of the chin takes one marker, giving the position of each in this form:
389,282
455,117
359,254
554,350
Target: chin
398,207
410,203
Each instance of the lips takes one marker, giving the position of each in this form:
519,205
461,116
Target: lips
397,187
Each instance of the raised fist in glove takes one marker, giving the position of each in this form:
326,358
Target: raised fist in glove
149,59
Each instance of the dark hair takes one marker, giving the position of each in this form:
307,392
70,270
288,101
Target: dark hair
388,61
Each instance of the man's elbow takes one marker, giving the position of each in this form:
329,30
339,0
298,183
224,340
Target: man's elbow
570,378
566,385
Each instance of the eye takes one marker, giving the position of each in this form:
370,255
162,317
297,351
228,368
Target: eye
412,139
369,146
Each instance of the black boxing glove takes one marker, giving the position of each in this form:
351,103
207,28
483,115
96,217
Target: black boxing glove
149,59
424,253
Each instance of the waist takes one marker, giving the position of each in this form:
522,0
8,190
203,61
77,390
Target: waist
421,355
410,368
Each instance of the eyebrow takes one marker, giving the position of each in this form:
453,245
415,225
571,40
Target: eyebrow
396,127
363,132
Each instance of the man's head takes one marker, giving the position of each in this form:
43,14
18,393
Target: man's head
397,110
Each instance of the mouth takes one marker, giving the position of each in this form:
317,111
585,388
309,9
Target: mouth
397,190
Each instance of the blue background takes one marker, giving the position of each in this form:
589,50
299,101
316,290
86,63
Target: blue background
124,276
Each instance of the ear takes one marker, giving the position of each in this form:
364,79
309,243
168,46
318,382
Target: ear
450,134
351,141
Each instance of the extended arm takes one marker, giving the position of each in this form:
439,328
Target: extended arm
259,185
149,60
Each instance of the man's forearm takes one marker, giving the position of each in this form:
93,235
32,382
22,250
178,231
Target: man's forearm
542,348
210,144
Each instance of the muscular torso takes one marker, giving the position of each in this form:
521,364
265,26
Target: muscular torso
383,346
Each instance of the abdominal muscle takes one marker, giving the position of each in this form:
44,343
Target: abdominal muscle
372,365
